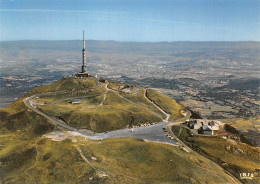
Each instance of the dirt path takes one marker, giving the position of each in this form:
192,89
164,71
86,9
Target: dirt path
159,108
116,92
84,158
105,94
107,135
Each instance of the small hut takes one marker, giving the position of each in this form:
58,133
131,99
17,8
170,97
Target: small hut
75,101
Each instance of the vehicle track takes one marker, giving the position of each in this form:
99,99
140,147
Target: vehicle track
158,107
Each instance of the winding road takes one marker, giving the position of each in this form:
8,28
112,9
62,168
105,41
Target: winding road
160,109
153,132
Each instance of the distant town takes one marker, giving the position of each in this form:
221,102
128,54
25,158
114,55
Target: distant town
215,79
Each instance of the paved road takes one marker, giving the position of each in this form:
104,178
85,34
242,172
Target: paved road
151,133
167,116
27,102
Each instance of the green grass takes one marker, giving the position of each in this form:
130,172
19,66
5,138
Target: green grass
244,125
27,158
112,98
166,103
124,160
8,141
116,113
64,84
69,83
248,127
18,118
43,161
138,97
114,85
239,157
25,122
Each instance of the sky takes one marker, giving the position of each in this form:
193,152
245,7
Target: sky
130,20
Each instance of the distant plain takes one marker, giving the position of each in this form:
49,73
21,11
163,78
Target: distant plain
204,76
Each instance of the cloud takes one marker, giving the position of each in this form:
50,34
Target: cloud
6,0
56,11
101,15
160,21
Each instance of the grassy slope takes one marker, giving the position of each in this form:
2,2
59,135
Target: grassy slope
17,117
125,160
248,127
166,103
24,157
69,83
116,112
139,98
236,157
136,97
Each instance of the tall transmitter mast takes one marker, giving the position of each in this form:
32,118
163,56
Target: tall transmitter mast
83,68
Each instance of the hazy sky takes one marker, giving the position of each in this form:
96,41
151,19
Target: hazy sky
130,20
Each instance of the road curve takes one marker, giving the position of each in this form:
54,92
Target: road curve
159,108
151,133
28,104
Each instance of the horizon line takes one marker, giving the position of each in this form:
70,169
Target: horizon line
138,41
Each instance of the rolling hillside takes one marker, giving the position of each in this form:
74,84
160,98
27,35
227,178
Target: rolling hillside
124,160
33,150
105,107
233,155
